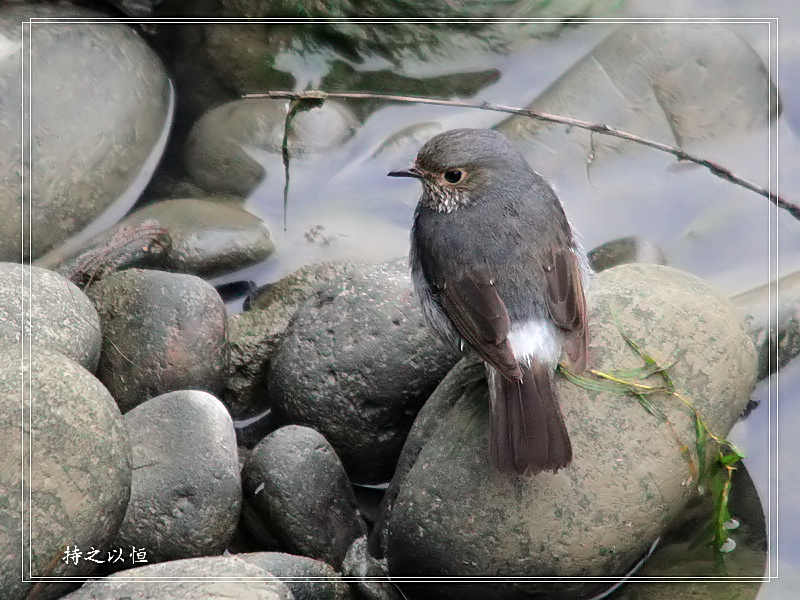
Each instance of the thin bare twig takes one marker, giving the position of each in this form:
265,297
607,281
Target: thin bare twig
680,154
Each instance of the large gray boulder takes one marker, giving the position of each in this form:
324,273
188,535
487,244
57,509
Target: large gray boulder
58,421
99,104
450,514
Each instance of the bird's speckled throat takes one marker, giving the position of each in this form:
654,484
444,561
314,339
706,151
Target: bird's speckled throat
443,199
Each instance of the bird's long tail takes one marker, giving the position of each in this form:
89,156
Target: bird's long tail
526,429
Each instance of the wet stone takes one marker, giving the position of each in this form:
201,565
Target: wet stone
209,237
96,140
58,316
776,334
186,492
369,575
448,512
245,53
299,496
622,251
236,579
308,579
681,84
145,245
200,237
162,332
79,474
254,334
360,349
216,156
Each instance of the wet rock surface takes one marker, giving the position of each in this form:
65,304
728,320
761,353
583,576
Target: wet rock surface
369,575
77,458
237,578
449,513
684,84
308,579
623,251
186,492
144,245
209,237
776,335
299,497
216,150
57,315
161,332
356,363
96,140
203,237
254,334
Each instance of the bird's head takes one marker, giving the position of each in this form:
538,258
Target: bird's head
461,166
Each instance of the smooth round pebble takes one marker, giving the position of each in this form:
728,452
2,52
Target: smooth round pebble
356,363
237,579
77,459
186,492
450,513
58,316
162,332
299,494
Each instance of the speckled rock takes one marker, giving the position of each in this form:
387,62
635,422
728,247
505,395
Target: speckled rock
308,579
162,332
237,579
299,496
356,363
186,492
254,334
57,316
77,460
450,513
95,142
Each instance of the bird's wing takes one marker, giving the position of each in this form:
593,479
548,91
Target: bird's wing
481,318
567,304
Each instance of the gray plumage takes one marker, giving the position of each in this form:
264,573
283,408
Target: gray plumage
497,269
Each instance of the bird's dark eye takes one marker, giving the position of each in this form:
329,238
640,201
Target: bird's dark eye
453,176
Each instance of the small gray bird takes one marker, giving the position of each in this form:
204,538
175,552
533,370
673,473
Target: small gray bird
497,268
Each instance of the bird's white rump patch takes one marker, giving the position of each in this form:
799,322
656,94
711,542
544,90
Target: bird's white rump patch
537,340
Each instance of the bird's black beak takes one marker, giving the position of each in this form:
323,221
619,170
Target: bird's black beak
412,172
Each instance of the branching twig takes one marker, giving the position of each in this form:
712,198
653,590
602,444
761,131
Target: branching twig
680,154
